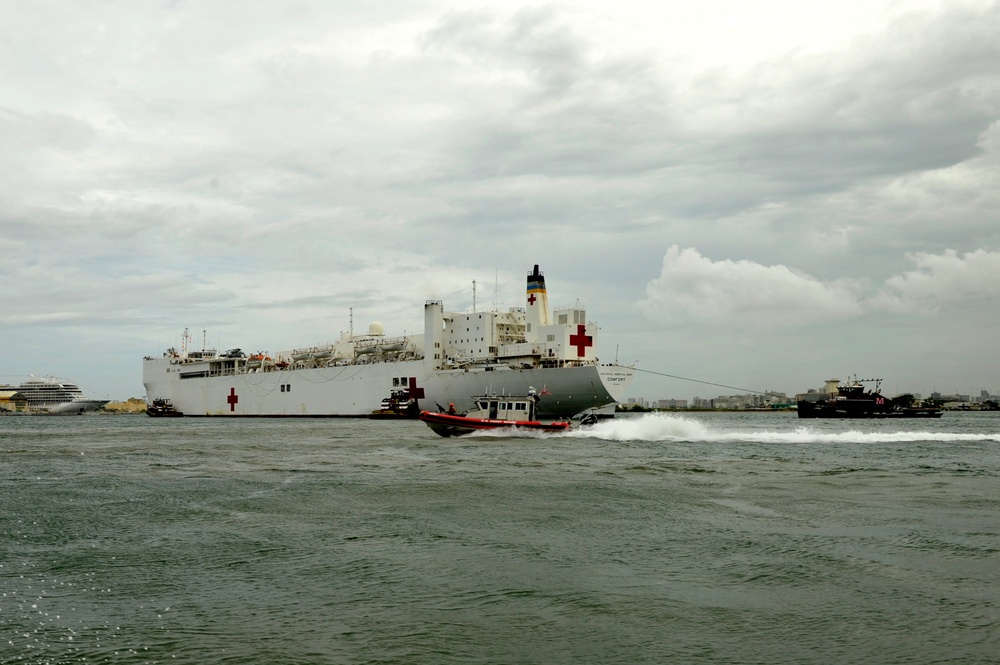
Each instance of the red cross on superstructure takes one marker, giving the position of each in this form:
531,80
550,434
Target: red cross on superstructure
232,399
581,340
532,299
415,393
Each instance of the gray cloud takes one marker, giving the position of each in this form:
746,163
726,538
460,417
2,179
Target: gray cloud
263,169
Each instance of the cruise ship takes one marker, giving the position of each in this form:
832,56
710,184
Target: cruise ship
49,395
460,355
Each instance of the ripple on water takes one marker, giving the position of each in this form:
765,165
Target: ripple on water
653,539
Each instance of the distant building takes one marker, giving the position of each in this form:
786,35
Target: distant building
672,404
767,400
812,395
938,397
728,402
12,401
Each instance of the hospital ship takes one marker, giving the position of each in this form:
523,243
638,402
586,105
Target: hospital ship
461,355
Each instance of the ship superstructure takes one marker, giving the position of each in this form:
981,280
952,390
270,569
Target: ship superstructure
459,355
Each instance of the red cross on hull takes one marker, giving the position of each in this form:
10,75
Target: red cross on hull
415,392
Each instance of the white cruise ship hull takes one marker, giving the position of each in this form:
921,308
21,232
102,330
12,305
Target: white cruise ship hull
54,397
69,408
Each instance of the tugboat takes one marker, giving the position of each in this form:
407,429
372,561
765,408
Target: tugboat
398,404
852,401
161,408
492,412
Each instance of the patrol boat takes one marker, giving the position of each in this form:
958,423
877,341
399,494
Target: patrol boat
493,412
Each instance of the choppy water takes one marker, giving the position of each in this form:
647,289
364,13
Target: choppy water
718,538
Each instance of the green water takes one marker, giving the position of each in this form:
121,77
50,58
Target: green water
715,538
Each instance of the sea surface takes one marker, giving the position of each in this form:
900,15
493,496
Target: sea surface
704,538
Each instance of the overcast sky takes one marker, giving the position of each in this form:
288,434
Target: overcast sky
759,194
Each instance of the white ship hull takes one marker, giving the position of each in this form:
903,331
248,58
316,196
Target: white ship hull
358,390
69,408
460,355
55,397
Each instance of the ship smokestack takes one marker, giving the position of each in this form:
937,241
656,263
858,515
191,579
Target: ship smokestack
537,304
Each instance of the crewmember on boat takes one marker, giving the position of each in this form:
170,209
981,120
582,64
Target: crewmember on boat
451,408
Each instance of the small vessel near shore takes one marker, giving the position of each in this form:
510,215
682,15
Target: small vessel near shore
57,397
162,408
852,400
399,405
491,413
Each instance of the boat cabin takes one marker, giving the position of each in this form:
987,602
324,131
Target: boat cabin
505,407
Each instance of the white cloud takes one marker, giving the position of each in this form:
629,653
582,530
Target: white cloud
693,288
941,280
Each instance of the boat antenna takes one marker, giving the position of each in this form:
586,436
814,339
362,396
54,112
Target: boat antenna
473,296
496,290
351,322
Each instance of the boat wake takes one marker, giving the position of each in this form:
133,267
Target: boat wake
663,427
